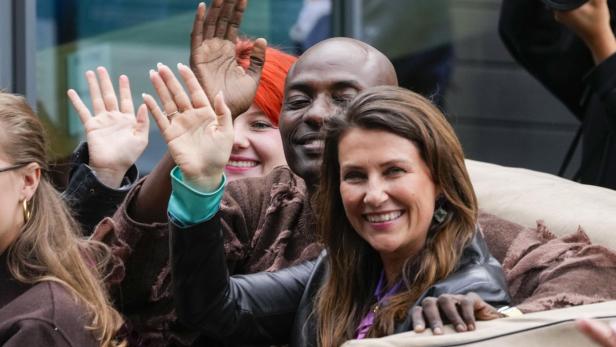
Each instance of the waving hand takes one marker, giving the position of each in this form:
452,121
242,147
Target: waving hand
116,138
213,55
199,137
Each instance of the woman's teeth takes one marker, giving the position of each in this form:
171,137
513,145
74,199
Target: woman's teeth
384,217
242,163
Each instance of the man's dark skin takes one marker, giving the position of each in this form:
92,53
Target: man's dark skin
319,86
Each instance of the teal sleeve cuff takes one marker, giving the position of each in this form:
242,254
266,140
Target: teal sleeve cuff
188,206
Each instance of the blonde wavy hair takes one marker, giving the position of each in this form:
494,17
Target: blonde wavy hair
50,246
354,266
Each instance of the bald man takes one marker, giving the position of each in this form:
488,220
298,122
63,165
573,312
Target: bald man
319,86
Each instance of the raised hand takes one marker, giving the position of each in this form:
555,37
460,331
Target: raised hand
116,138
591,22
461,310
213,55
199,137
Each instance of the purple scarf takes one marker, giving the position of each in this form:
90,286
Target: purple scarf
368,320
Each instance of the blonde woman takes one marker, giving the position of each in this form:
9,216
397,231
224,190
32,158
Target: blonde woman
51,291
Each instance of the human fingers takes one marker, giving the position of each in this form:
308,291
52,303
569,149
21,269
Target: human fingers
467,309
257,59
419,323
196,35
98,106
143,121
481,309
80,107
126,98
448,304
159,117
109,96
598,332
197,95
236,20
224,18
211,18
163,93
182,101
223,113
432,315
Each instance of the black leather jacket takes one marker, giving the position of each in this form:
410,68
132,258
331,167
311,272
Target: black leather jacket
89,198
276,307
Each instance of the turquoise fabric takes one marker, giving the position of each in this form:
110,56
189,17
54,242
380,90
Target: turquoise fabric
188,206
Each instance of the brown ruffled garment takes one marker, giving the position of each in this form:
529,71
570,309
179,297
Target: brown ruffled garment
267,222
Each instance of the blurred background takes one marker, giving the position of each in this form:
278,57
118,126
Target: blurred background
448,50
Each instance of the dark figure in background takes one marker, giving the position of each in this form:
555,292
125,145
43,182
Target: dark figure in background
421,52
572,54
416,37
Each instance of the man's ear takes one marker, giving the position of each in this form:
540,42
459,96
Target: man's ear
31,177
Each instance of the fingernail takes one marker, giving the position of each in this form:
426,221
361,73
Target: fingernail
152,72
419,328
180,65
143,95
437,331
471,327
159,65
460,327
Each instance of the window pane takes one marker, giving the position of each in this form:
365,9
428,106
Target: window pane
128,37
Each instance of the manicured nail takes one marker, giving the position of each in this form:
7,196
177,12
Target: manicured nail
159,65
180,66
143,95
152,72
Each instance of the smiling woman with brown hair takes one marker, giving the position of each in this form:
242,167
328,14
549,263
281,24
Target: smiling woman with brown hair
52,292
394,166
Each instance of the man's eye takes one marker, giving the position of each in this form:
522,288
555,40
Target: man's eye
297,103
344,98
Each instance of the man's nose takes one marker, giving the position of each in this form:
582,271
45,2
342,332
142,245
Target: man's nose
320,110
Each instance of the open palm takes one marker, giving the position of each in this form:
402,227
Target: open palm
116,138
213,55
199,137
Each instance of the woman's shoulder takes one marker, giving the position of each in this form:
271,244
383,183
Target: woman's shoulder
46,314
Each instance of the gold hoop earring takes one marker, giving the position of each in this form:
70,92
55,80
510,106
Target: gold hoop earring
27,212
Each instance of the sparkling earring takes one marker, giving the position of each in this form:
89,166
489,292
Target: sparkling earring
27,212
440,213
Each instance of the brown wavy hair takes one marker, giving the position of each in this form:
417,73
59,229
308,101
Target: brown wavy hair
49,246
354,266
